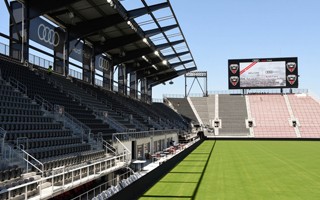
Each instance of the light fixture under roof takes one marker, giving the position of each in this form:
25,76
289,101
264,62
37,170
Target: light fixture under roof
165,62
155,67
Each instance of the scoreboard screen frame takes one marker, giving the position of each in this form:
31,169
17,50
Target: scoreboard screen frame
290,70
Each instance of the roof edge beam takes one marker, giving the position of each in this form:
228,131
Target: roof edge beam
156,31
166,45
131,55
177,64
171,56
145,10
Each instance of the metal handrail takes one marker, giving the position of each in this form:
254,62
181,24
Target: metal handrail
44,103
108,146
28,162
86,129
18,85
3,137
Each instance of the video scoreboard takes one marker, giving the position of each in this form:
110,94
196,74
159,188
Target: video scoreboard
263,73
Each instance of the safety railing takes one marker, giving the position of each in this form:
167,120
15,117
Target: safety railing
99,82
126,152
79,176
4,49
75,74
109,186
36,60
72,122
43,103
142,134
30,160
3,134
18,85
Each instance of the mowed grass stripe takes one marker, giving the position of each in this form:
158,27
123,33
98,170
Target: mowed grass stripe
262,170
182,180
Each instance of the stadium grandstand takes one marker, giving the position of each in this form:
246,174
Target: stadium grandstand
78,121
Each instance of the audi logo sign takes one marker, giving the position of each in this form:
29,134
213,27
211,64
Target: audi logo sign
48,35
103,64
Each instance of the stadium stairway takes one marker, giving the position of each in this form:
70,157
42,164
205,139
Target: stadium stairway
37,85
89,99
170,114
122,104
201,105
233,115
183,107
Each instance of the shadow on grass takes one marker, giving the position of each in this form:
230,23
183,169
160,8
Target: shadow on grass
197,183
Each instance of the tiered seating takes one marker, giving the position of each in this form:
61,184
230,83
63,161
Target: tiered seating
233,113
127,105
11,176
170,114
88,99
183,107
114,189
201,105
26,126
271,116
307,111
38,86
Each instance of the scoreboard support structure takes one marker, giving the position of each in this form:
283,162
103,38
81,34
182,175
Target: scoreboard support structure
196,75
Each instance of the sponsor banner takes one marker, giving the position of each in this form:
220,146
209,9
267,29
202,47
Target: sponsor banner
45,34
75,50
102,63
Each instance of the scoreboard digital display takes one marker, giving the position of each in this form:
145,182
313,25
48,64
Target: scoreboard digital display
263,73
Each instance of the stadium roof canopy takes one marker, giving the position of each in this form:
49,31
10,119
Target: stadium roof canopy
156,47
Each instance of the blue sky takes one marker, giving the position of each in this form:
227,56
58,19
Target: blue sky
220,30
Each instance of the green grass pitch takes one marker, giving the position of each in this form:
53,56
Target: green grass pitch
244,170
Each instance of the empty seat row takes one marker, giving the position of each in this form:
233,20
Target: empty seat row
15,118
41,153
74,159
45,142
18,193
11,98
10,93
10,174
11,126
19,111
28,106
13,135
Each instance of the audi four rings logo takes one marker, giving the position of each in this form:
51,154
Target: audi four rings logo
103,63
48,35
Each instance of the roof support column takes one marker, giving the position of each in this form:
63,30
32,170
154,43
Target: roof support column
122,79
87,55
143,85
18,42
108,78
134,85
149,93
